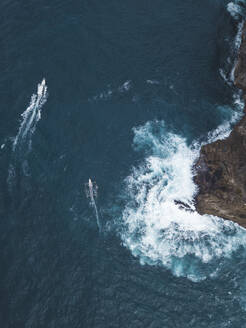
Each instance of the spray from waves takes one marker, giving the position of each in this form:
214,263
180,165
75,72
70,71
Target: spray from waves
160,224
236,9
30,118
223,130
236,46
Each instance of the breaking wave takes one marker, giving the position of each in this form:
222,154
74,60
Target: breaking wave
224,129
160,223
236,9
161,226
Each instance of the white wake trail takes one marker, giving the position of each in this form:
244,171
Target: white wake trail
30,117
91,192
97,215
19,166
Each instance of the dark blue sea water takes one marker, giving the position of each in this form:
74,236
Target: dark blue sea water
124,93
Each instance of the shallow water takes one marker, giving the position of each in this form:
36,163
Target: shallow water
133,90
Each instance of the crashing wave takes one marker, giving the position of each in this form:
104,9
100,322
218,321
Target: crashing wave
236,9
161,226
223,130
237,43
238,38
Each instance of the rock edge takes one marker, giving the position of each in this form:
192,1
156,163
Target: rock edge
221,166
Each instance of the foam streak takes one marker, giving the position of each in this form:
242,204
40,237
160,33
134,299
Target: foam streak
30,117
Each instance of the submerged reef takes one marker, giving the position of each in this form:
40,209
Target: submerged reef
221,166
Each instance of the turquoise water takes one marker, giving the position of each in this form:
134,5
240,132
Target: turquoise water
125,93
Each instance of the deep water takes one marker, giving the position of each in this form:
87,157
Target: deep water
124,93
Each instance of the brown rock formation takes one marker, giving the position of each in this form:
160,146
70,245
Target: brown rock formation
221,167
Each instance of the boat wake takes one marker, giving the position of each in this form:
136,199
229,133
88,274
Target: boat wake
22,143
30,118
91,193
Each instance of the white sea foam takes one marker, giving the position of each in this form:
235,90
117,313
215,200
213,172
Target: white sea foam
104,95
23,140
224,129
152,82
224,76
157,227
235,9
237,43
30,117
126,86
238,38
238,101
160,224
110,92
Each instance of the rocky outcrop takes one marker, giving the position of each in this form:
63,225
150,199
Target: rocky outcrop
221,167
221,176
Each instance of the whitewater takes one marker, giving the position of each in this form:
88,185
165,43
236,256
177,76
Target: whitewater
160,223
30,118
22,142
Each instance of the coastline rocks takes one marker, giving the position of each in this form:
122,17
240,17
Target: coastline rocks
221,167
221,177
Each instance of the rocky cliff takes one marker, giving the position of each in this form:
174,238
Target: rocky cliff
221,167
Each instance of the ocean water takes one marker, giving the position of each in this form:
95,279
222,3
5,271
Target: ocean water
124,93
